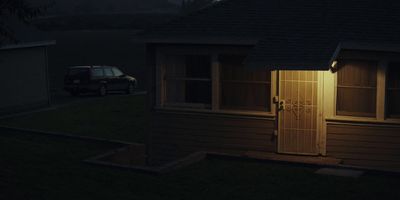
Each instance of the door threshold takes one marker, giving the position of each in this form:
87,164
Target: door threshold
297,154
306,159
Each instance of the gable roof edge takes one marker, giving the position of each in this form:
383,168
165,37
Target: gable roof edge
28,45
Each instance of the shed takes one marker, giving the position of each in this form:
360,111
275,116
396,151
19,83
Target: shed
24,76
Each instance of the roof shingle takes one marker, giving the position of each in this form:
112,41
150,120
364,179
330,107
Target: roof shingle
290,33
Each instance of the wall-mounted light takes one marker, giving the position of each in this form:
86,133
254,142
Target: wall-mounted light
334,66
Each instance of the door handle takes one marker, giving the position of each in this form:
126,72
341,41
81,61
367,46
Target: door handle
281,105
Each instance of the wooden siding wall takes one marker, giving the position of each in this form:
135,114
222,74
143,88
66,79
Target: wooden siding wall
176,134
365,145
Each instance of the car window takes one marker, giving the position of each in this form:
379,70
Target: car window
117,72
108,72
97,72
78,72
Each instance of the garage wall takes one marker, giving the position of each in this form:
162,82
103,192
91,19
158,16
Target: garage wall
23,79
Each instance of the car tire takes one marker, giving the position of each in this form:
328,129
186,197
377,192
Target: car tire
130,89
102,90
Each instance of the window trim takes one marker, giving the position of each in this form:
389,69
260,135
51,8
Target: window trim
222,112
215,84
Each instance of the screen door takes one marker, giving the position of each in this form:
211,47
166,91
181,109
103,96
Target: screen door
297,112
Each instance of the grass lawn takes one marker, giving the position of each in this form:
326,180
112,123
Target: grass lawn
113,117
43,167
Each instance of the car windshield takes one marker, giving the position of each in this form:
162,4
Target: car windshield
78,72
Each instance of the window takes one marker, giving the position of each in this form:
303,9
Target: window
393,90
356,88
78,72
117,72
108,72
241,88
188,81
97,72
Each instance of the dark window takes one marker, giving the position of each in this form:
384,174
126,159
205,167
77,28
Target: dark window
117,72
393,90
78,72
97,72
188,80
241,88
108,72
356,88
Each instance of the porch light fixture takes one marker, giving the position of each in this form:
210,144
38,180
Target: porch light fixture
334,65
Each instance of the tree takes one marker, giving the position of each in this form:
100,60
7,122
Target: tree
19,10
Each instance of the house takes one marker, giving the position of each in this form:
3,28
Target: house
24,77
318,78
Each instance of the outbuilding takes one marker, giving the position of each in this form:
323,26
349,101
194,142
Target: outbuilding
24,81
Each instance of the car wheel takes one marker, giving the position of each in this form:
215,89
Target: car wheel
102,90
130,89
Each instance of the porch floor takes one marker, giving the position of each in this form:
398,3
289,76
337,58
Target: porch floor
318,160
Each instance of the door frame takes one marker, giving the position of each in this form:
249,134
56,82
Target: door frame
321,126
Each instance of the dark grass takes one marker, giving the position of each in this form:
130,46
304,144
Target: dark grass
43,167
118,117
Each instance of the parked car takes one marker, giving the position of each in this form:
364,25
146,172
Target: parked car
98,79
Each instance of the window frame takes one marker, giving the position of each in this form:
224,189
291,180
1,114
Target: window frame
160,101
357,114
380,113
166,78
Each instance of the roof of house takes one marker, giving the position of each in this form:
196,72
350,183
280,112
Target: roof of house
28,45
288,33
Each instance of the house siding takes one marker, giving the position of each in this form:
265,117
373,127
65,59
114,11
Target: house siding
176,134
365,145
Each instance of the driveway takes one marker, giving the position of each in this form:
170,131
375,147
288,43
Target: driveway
64,98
